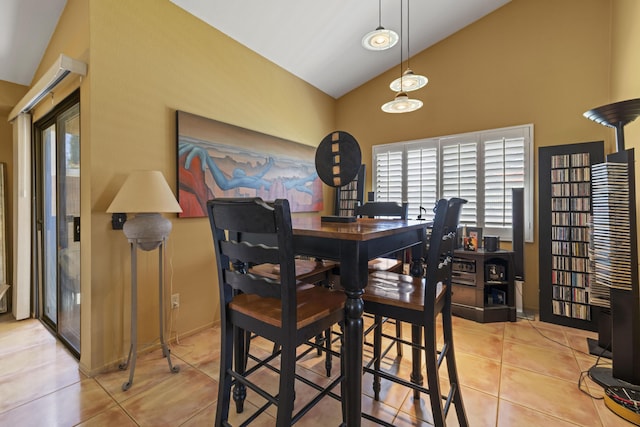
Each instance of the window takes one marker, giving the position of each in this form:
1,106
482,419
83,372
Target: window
481,167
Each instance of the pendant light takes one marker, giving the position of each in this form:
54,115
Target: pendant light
401,103
380,38
409,80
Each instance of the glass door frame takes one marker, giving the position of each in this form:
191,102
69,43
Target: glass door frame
38,246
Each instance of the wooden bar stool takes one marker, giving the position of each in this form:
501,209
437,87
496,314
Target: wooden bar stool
278,310
420,301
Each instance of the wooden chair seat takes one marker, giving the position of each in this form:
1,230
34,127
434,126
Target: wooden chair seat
399,290
313,303
308,271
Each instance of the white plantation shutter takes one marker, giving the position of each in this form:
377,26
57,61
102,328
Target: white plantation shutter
504,169
388,175
460,176
481,167
422,178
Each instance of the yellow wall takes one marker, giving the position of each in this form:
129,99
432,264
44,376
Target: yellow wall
532,61
625,61
625,71
150,58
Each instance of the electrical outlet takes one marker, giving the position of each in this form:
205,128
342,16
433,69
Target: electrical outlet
175,300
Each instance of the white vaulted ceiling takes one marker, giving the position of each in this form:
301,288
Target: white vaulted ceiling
318,41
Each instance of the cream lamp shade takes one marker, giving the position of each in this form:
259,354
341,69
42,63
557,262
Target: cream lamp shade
145,193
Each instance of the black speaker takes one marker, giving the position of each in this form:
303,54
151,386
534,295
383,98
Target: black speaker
491,243
517,225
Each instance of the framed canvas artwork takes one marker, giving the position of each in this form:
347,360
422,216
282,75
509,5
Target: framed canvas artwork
217,159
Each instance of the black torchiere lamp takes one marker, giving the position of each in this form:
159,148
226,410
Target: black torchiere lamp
616,115
625,304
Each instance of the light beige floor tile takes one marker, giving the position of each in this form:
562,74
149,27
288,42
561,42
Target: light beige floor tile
65,407
114,416
511,415
38,382
560,363
328,412
555,397
405,420
151,369
173,401
199,349
476,372
481,409
379,409
540,335
496,328
43,353
481,344
578,342
391,394
19,337
508,370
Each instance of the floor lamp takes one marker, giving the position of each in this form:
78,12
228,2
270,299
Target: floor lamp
147,194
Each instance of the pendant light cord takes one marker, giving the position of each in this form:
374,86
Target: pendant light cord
379,13
401,39
408,32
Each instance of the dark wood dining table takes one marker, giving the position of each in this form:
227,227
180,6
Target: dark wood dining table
354,244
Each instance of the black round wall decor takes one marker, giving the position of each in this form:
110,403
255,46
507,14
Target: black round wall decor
338,159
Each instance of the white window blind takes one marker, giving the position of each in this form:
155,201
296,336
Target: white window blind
422,182
481,167
388,179
460,176
504,169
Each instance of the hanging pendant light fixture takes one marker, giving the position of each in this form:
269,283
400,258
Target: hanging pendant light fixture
408,81
401,103
380,38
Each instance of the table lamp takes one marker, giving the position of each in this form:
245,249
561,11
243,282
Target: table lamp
145,193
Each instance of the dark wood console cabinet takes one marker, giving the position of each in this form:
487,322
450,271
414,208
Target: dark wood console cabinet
483,287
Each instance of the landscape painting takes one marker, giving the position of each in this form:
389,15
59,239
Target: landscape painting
217,159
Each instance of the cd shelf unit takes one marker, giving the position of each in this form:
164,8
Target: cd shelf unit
350,195
565,209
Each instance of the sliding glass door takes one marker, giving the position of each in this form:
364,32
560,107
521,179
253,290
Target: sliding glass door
57,249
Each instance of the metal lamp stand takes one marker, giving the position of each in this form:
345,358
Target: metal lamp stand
131,359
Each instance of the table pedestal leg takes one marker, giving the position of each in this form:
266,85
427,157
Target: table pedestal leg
353,357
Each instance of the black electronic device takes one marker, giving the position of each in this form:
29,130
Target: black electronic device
464,265
517,226
491,243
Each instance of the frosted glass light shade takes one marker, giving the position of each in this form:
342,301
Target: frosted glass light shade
380,39
402,104
145,191
408,82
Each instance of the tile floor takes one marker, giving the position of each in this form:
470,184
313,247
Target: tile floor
512,374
